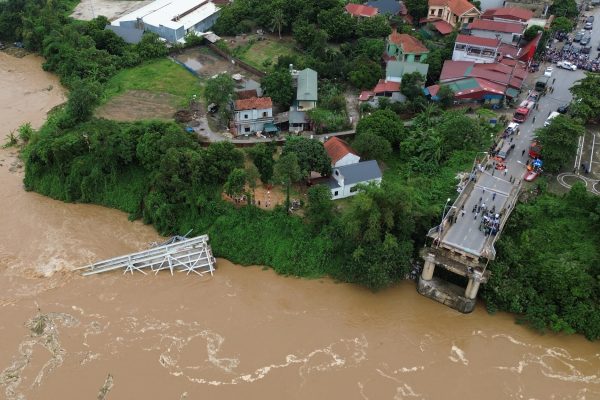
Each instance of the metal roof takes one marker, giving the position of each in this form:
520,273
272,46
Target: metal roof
360,172
172,14
307,85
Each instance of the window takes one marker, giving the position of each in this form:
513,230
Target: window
247,129
460,47
337,173
471,19
245,116
335,193
432,12
265,114
440,12
417,57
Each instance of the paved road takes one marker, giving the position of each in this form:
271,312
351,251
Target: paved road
493,189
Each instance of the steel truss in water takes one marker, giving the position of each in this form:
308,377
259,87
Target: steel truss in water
183,255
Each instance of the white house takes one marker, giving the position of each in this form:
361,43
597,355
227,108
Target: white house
475,49
340,152
344,179
172,19
253,115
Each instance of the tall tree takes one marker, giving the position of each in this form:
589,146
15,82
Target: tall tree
320,209
559,142
384,123
236,182
412,85
587,102
286,172
372,146
219,90
310,153
278,21
262,156
279,86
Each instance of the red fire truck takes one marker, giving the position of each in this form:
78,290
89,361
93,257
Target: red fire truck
523,111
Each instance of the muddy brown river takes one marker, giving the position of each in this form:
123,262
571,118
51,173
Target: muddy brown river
245,333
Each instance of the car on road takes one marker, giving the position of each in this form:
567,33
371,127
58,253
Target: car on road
563,109
590,19
578,36
585,40
552,115
566,65
531,175
586,50
588,26
548,71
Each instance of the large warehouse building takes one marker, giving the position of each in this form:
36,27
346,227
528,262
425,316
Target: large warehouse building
172,19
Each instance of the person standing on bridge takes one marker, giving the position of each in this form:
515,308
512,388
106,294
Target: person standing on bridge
494,196
523,153
533,120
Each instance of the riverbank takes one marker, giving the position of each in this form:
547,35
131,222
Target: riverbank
247,332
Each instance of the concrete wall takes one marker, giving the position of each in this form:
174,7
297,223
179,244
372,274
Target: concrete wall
347,190
347,160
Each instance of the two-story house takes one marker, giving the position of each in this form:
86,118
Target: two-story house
347,169
251,115
403,47
344,179
306,89
457,13
507,32
476,49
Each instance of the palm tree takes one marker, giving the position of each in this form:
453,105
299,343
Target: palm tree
278,21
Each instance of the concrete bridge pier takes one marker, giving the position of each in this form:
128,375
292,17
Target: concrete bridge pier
473,286
428,268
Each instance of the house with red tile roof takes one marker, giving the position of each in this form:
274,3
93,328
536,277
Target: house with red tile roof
508,32
253,115
508,14
340,152
403,47
457,13
360,11
481,82
476,49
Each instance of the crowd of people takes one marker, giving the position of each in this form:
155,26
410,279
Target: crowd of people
574,55
490,220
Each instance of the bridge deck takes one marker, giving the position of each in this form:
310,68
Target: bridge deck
492,188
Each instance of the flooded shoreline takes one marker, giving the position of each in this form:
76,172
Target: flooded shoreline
246,332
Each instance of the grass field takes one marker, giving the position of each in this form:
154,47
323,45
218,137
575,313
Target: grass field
269,49
160,76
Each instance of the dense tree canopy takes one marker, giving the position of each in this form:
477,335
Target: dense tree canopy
278,86
548,270
384,123
559,142
310,153
586,106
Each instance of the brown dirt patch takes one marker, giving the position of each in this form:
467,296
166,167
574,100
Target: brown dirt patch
134,105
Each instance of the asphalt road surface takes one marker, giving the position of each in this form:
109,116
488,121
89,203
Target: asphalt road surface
465,233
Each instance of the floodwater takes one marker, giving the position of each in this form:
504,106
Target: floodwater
244,333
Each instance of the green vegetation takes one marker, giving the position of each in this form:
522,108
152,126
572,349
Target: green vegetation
548,269
586,103
163,76
559,141
264,53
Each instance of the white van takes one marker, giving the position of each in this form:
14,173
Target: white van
553,115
